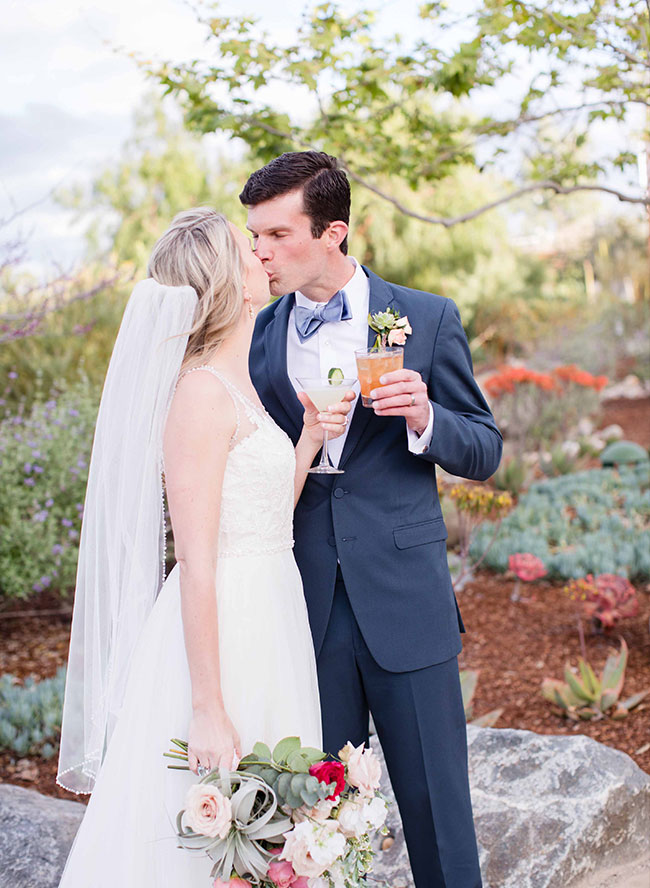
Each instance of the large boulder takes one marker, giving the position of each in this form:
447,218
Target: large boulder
36,833
550,812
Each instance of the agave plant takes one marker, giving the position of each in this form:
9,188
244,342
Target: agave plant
586,696
468,682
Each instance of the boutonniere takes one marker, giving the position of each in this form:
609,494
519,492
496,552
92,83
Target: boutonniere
391,329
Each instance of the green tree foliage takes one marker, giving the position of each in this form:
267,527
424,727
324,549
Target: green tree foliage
414,113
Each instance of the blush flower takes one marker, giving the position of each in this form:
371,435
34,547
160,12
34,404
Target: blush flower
282,873
313,847
207,811
364,769
231,883
320,811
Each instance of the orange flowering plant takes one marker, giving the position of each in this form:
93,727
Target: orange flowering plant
539,408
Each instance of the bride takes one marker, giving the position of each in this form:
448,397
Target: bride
221,655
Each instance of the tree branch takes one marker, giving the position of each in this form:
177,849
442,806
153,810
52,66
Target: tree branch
519,192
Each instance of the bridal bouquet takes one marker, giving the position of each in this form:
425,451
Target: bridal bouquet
289,818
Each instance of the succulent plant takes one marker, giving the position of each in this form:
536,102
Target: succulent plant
468,682
586,696
620,452
606,599
596,521
30,714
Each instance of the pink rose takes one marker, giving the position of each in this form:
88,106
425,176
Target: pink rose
207,811
282,873
364,770
231,883
396,337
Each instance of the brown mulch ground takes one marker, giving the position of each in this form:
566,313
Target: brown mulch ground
513,644
517,644
633,416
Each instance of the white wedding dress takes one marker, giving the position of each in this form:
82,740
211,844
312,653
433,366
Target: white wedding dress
268,673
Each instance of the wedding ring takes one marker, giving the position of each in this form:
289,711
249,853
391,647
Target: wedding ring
412,404
202,770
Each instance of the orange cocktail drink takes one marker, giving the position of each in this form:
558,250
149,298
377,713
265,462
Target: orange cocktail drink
371,364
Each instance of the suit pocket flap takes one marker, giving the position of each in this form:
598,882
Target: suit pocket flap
419,534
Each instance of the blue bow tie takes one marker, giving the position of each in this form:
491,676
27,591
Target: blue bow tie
308,320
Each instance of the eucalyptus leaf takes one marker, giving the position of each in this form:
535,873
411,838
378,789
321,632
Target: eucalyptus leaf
262,751
282,785
312,755
309,798
297,762
284,748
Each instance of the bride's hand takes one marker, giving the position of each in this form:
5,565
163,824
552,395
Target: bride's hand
333,422
212,741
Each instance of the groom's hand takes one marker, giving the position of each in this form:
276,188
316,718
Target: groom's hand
403,393
333,422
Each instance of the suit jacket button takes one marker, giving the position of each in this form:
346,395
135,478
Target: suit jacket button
339,492
332,541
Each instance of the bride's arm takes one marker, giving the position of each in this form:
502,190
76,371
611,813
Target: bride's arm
311,439
199,428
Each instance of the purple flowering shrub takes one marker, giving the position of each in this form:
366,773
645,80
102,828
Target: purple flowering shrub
44,455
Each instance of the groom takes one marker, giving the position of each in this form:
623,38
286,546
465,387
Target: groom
370,543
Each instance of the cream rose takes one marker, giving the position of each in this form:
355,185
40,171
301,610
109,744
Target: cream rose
364,770
351,818
207,810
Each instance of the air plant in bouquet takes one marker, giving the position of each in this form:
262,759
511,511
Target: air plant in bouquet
287,818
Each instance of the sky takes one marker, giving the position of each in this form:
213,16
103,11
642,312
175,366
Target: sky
69,96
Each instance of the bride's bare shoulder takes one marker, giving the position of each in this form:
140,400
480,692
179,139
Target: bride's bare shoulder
201,404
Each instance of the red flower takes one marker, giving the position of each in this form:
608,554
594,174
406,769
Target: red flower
526,567
330,772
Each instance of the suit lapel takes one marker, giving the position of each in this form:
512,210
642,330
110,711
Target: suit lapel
380,297
275,348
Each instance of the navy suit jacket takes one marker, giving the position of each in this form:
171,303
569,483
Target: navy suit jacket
382,519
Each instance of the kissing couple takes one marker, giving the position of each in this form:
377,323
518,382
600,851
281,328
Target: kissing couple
300,601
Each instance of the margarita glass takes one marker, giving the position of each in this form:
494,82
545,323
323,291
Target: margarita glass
323,392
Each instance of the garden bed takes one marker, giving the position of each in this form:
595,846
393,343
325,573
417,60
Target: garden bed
513,644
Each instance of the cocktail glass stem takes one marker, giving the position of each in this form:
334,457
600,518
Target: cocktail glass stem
324,456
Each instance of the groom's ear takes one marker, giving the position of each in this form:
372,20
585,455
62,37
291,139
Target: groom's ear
335,234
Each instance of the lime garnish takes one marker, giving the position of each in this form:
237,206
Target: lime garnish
335,376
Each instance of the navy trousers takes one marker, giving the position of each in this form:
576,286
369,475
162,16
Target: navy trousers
421,726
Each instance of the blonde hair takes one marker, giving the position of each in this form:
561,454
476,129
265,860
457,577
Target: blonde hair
199,250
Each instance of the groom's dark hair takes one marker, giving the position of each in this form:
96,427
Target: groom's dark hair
325,187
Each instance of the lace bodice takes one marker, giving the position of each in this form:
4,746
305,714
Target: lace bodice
258,484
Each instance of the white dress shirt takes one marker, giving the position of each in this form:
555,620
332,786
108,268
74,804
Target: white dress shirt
333,345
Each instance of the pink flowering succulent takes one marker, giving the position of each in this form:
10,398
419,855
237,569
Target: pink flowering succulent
607,599
525,567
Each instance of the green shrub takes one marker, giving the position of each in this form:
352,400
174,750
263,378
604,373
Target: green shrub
44,456
596,522
30,714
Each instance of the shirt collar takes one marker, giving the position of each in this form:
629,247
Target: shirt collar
356,290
